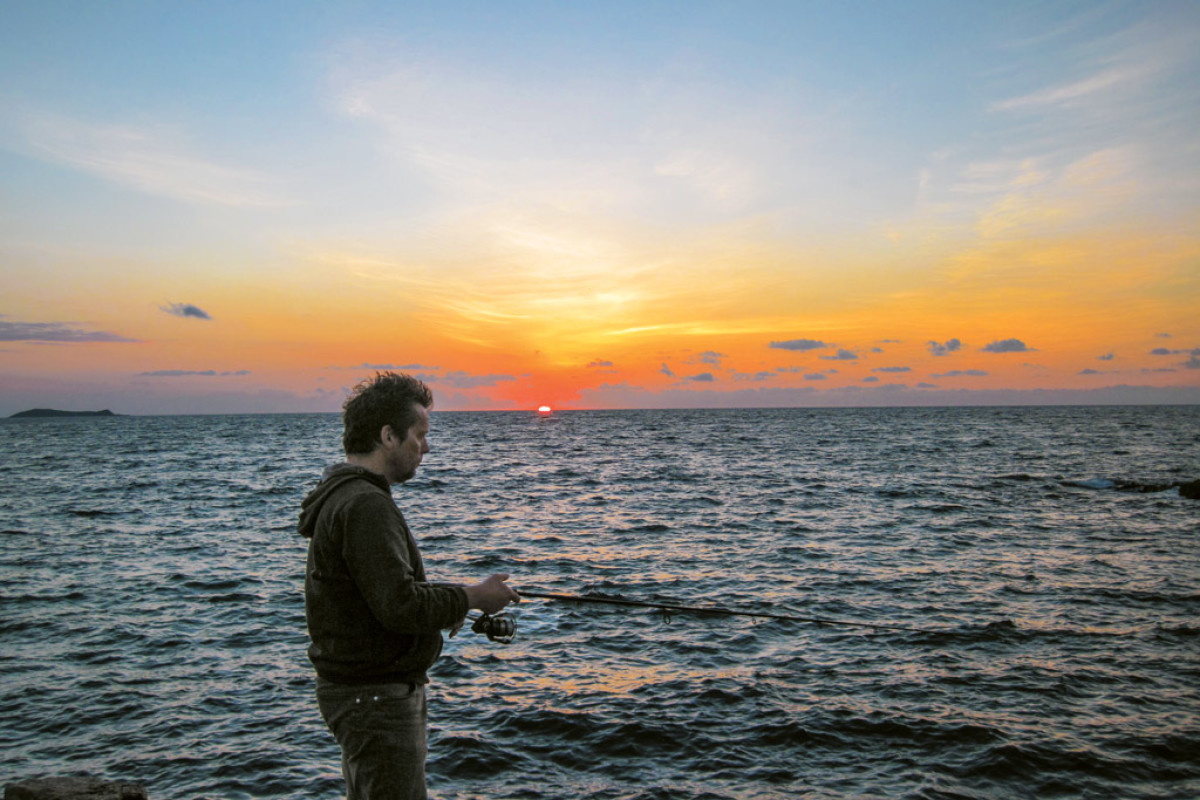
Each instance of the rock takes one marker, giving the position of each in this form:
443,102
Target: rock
53,412
81,788
1191,490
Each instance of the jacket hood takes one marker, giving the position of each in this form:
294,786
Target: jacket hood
334,478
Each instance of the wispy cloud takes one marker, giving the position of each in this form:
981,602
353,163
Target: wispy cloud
842,355
547,147
186,310
710,357
958,373
387,366
186,373
703,377
149,159
53,332
1076,92
465,380
892,369
757,376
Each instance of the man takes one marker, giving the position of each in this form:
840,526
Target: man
374,620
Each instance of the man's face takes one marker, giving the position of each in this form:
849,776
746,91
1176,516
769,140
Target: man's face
405,448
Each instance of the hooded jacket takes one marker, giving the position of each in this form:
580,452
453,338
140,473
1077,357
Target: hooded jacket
372,616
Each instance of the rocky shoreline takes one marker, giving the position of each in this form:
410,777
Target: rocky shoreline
83,787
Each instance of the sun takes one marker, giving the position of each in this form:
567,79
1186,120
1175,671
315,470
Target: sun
545,410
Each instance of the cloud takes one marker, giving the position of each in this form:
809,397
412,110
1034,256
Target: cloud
597,364
950,346
703,377
892,369
711,357
1193,361
1090,371
186,310
842,355
870,379
53,332
1007,346
815,376
956,373
876,394
465,380
1105,357
1072,94
185,373
720,178
799,344
659,144
757,376
150,160
667,371
387,367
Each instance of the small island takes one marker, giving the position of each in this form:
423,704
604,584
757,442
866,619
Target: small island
52,412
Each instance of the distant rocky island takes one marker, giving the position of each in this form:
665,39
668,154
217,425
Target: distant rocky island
53,412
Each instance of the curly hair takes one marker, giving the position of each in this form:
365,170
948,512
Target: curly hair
387,399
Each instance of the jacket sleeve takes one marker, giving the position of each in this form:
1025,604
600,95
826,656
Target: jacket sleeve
375,547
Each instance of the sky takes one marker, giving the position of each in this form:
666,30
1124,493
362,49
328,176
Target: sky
251,206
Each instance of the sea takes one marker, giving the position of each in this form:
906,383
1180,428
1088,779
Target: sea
1042,561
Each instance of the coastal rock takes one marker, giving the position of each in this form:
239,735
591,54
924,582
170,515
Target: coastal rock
81,788
1191,490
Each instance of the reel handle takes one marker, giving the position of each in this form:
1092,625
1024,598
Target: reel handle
498,628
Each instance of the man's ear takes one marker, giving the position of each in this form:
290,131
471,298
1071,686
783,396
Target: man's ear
384,433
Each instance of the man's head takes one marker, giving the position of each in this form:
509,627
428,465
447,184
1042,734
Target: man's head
389,415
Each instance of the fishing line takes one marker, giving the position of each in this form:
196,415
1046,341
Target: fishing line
734,612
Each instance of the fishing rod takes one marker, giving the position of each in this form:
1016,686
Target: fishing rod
734,612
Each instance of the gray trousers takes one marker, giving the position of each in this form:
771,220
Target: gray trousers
381,730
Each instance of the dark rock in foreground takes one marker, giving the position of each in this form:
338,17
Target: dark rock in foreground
1190,490
83,788
52,412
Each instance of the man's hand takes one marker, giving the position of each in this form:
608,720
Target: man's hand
491,595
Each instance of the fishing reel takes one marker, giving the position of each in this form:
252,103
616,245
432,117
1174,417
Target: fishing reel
500,627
